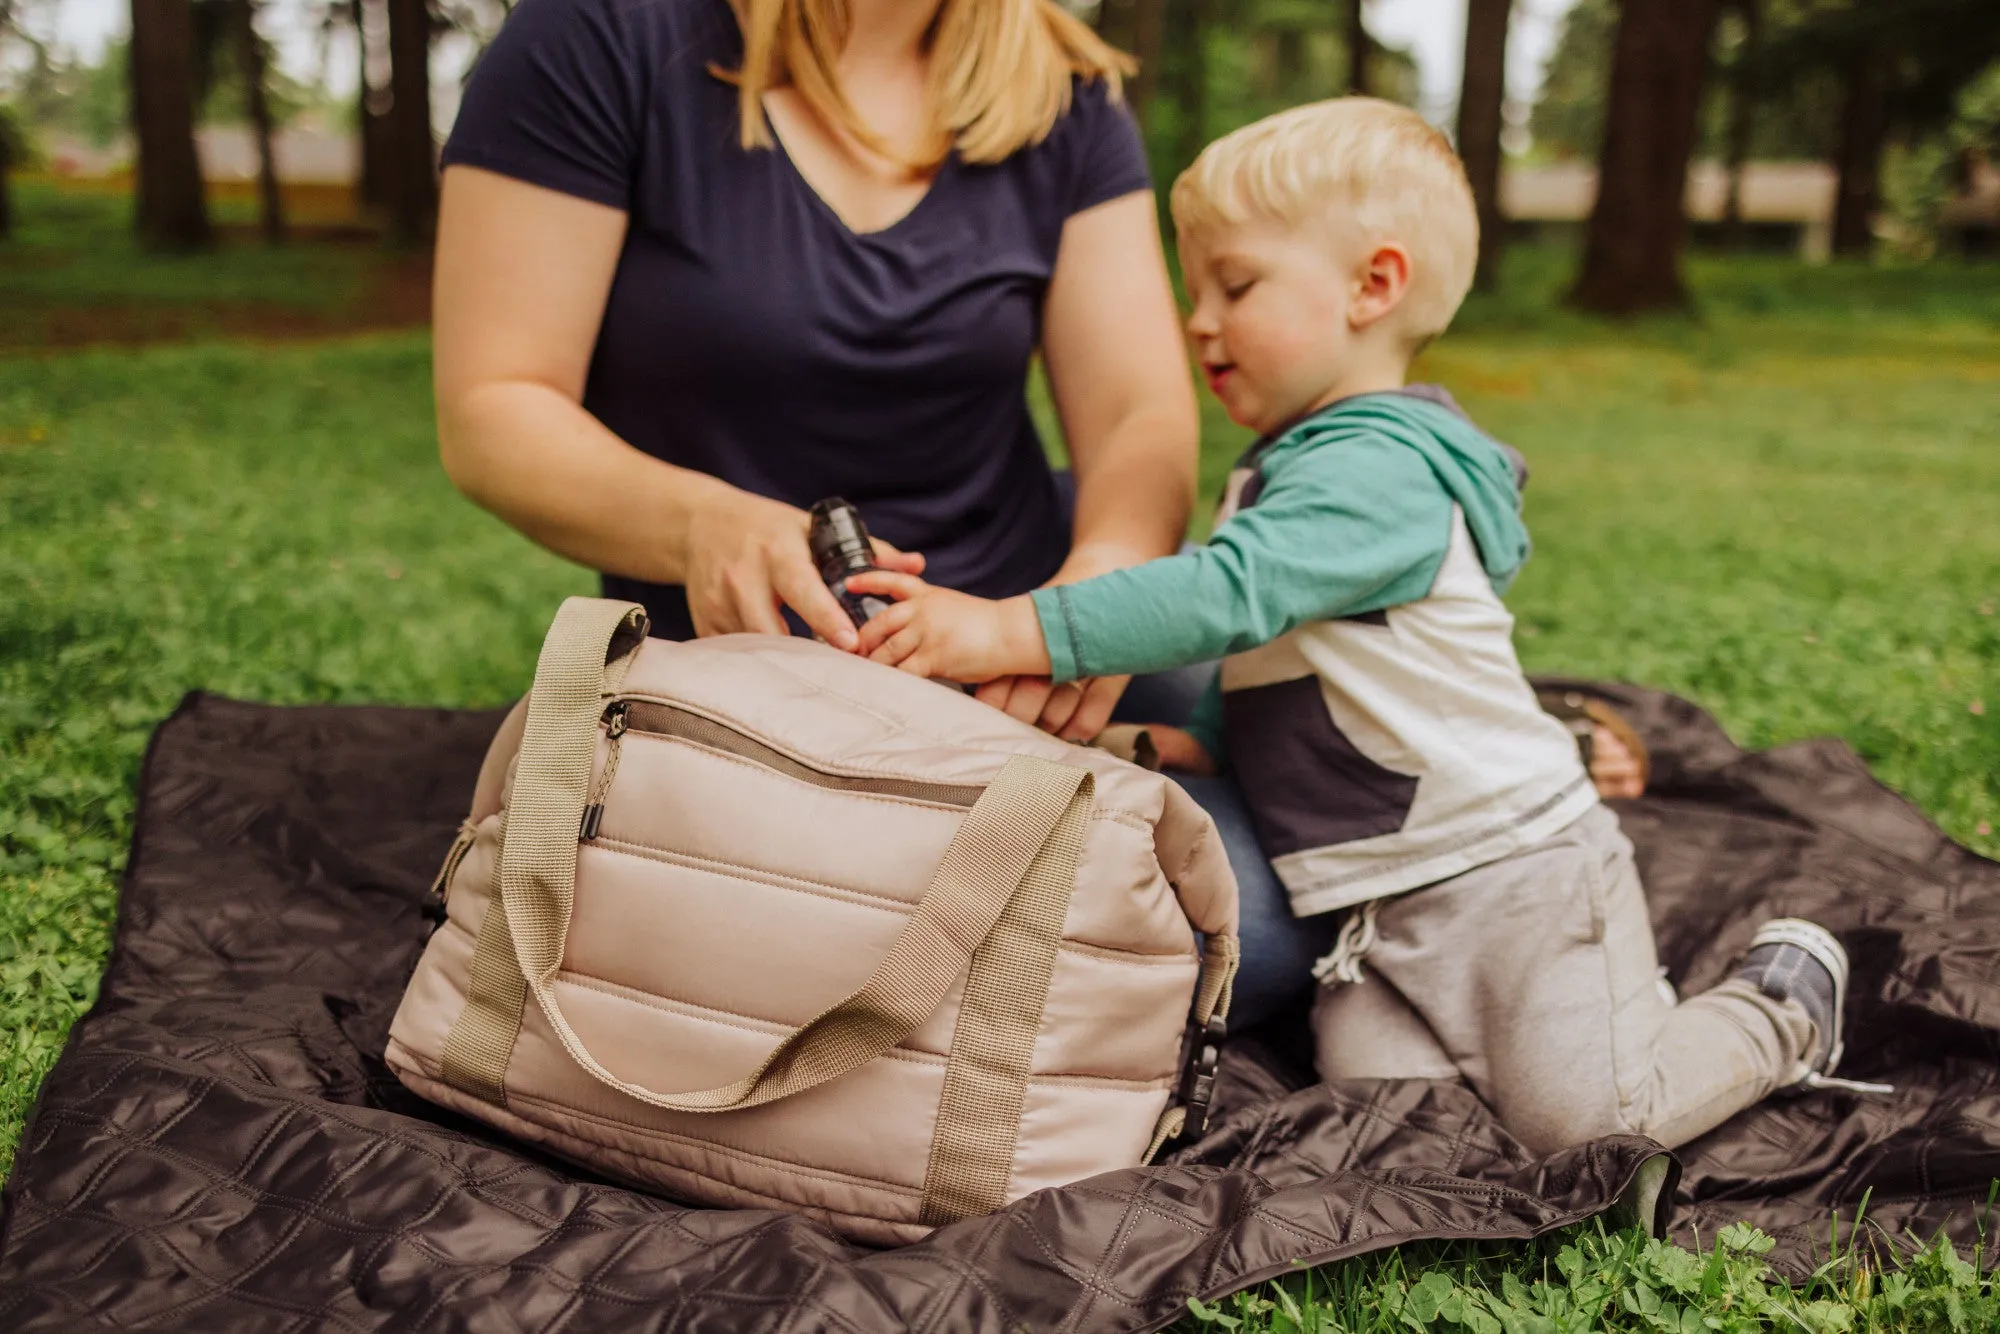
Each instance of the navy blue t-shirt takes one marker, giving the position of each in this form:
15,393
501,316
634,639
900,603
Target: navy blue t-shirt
750,334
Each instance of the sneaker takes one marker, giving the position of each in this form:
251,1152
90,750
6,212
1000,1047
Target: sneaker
1795,960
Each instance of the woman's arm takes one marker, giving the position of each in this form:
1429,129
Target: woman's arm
1119,371
1118,368
522,277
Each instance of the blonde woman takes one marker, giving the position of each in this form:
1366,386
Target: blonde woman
700,265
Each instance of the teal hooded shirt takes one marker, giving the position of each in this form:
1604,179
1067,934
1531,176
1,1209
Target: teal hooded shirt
1352,513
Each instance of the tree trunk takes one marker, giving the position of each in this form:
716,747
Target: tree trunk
170,211
1114,23
1479,105
250,55
1632,247
1193,91
6,198
1149,32
413,152
370,124
1743,95
1863,127
1288,64
1357,49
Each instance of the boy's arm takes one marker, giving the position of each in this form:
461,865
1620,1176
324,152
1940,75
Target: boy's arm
1350,526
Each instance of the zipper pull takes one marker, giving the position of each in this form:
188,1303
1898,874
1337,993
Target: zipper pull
616,718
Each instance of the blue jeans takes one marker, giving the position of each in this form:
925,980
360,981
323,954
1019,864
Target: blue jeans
1278,948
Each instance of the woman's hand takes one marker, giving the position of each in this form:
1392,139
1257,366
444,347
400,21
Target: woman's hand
1074,711
747,557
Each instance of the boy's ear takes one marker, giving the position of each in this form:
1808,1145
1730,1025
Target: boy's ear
1379,285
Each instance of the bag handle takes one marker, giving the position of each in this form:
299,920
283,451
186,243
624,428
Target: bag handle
1026,829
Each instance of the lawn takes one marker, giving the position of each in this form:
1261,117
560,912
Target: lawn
1788,510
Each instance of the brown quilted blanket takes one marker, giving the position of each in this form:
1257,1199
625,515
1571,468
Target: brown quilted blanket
220,1147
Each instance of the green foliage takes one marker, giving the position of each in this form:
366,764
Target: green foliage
57,95
1584,1280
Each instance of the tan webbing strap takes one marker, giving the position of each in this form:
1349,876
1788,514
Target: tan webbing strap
584,657
993,1043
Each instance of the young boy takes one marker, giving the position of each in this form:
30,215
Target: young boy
1370,704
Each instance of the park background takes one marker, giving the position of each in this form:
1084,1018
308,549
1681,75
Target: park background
1754,362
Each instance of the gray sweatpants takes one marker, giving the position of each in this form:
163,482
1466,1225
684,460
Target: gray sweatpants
1535,979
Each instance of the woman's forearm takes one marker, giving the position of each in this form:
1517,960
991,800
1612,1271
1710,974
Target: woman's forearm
535,458
1134,492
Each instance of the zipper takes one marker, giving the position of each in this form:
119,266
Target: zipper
467,832
616,717
655,719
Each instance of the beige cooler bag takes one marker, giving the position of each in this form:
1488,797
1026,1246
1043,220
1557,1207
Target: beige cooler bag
758,923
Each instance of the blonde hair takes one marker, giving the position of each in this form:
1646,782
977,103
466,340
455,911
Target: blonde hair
999,80
1380,166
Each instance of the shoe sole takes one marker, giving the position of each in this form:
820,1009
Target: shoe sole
1818,942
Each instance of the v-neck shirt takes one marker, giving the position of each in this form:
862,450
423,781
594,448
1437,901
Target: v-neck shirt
753,335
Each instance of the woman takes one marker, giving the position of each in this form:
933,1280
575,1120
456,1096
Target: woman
699,267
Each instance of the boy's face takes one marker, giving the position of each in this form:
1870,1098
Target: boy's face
1270,322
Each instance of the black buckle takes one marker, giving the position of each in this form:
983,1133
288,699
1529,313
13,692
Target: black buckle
1197,1087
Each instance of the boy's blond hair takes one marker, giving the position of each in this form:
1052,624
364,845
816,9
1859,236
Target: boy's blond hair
1354,158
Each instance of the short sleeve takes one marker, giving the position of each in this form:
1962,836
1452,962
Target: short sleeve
557,101
1107,158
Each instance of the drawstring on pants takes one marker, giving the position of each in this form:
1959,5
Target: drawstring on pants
1357,937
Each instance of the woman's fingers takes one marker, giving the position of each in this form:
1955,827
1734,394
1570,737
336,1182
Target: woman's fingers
798,585
1093,711
1060,707
903,562
1019,697
887,584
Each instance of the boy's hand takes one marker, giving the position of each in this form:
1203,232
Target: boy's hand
935,632
1179,750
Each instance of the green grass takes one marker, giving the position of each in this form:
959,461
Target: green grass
1785,509
73,273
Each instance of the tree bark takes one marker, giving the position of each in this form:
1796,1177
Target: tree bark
1864,125
1633,243
1744,91
413,151
1358,43
1193,91
370,124
171,211
250,56
1480,99
1149,33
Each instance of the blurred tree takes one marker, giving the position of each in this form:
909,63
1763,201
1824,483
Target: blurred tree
1744,87
171,210
252,62
232,84
1632,244
412,156
1481,96
1148,40
1190,29
13,153
1359,49
1900,67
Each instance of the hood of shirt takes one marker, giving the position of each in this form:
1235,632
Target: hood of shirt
1483,476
